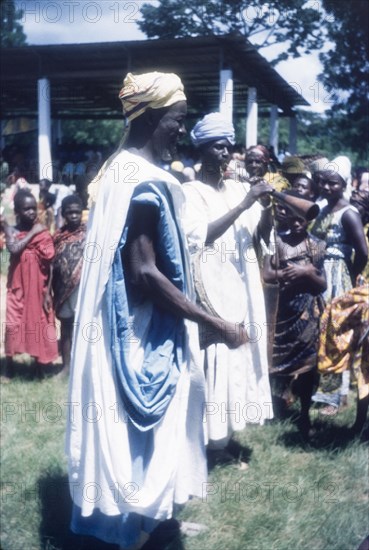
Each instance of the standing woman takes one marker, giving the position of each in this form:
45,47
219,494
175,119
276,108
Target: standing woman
339,224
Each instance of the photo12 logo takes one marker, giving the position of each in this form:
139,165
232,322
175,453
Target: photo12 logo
73,11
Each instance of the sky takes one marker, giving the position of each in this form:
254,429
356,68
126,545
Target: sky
84,21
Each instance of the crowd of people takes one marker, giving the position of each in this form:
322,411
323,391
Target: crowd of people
200,298
43,278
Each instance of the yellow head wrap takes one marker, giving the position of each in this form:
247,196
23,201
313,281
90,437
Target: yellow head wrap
151,90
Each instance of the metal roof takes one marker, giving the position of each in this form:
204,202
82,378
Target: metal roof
85,78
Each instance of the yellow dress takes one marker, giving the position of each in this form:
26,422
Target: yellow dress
344,340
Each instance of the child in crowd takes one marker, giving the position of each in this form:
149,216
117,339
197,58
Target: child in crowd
30,327
66,271
298,269
46,211
305,187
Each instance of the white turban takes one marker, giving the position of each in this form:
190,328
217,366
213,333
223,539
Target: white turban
342,166
150,90
212,127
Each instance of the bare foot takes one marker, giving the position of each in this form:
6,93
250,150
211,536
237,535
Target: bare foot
64,373
329,410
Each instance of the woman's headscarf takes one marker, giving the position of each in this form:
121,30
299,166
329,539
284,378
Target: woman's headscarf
261,150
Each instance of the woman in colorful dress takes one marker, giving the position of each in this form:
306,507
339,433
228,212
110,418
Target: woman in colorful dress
339,224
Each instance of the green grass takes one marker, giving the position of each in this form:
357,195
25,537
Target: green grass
292,496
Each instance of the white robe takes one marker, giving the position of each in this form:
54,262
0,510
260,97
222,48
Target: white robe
99,445
238,390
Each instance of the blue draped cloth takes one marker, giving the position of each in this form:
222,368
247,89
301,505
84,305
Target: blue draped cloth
147,391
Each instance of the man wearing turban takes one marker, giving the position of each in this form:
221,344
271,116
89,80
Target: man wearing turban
151,90
135,435
222,219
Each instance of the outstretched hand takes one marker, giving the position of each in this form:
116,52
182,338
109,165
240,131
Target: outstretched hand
261,192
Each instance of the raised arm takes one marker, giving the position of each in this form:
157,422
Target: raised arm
16,246
220,226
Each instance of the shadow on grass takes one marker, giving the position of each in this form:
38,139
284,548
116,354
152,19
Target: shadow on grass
234,453
327,433
25,370
166,536
240,452
56,512
326,436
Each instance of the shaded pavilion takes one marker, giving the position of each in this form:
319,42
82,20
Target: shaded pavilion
82,81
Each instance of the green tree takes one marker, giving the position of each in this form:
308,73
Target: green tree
301,27
346,64
291,22
94,133
12,34
346,72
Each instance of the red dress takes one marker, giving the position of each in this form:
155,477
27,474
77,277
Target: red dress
28,328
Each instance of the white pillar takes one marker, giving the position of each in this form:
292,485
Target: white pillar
44,130
292,146
273,128
226,94
252,118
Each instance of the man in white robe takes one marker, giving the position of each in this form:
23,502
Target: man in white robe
226,217
135,438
